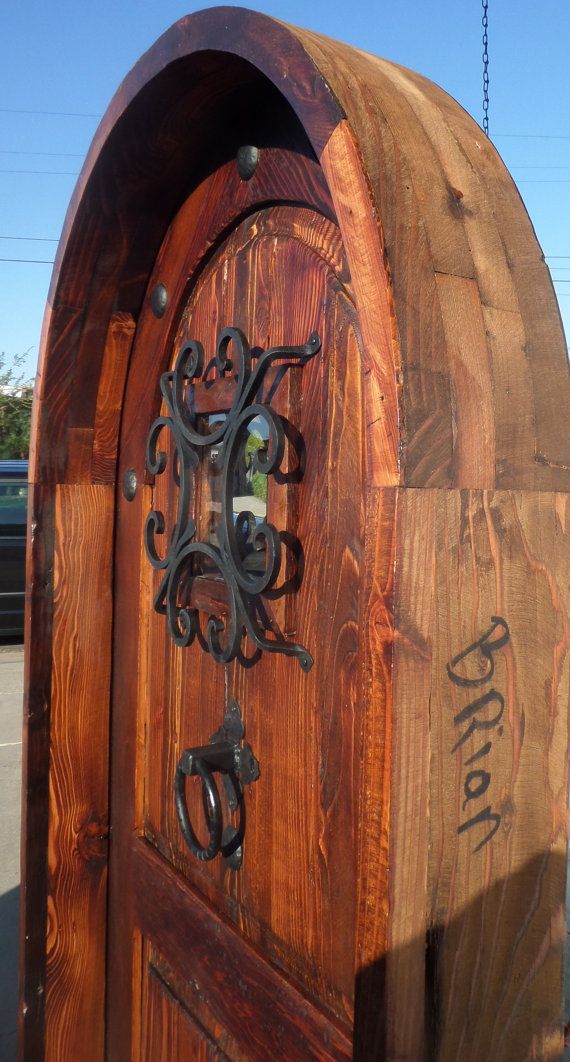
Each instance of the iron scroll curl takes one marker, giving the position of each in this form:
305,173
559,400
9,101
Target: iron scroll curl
180,561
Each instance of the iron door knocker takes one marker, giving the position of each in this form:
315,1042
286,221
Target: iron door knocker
238,766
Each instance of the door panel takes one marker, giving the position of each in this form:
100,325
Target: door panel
170,1032
278,276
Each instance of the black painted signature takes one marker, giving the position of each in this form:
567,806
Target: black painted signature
483,715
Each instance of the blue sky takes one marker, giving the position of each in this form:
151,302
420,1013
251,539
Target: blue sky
68,57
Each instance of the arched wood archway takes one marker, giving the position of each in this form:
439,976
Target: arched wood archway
455,388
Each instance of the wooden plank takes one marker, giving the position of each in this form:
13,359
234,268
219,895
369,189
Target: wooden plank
110,396
288,892
78,825
170,1031
363,242
492,612
406,1031
273,1017
543,350
473,386
129,676
374,750
35,769
447,205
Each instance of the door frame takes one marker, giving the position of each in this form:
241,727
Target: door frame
395,182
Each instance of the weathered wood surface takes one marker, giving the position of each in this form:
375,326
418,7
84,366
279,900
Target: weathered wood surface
487,736
78,830
447,208
35,772
292,829
446,347
237,996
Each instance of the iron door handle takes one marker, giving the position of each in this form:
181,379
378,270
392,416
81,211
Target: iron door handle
232,757
202,762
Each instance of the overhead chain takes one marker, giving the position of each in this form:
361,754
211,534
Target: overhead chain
485,67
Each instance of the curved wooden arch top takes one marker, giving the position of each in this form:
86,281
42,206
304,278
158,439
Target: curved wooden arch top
463,342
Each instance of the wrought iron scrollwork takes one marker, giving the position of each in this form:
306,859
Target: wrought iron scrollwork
184,554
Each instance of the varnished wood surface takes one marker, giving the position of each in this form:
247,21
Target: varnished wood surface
171,1032
35,772
494,905
261,1013
77,864
456,378
182,696
448,208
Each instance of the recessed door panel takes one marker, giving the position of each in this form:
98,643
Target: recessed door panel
279,277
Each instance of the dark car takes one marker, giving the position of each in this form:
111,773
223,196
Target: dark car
13,511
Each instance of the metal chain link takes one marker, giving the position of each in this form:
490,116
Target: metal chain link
485,67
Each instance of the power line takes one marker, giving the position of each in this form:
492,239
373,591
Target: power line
50,154
52,173
534,136
34,261
32,239
51,114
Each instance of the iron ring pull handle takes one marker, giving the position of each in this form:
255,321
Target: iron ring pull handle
203,761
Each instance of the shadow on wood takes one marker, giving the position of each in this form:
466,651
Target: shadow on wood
499,981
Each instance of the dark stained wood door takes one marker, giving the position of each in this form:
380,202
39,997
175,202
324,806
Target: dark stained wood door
206,961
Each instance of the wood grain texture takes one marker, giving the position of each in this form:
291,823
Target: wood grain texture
78,773
110,396
444,357
448,206
363,242
35,772
171,1032
374,910
184,693
272,901
263,1012
497,765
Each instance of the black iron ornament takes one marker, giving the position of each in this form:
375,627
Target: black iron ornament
235,533
230,756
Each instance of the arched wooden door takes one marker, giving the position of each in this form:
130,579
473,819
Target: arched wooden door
302,377
257,959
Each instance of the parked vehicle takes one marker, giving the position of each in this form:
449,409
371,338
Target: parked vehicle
13,513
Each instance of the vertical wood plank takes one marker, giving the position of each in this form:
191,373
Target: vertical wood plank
363,242
170,1032
110,396
374,747
472,382
77,852
493,612
35,769
406,963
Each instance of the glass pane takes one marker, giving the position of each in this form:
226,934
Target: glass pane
249,505
13,501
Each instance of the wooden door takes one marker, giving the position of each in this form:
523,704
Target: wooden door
404,859
207,960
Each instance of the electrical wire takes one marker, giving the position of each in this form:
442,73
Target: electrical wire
31,261
51,173
32,239
534,136
51,114
46,154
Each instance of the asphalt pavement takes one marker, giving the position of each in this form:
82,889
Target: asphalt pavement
11,679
